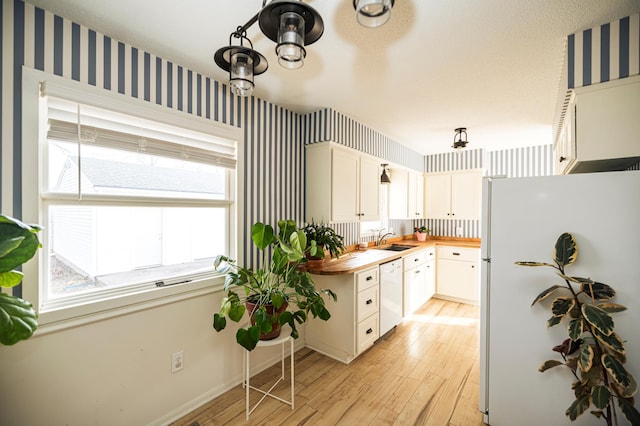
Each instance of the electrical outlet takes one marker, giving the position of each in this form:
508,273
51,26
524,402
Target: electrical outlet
459,231
177,361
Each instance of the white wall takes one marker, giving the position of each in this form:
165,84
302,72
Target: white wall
118,371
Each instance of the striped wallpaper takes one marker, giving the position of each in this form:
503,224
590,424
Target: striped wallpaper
35,38
608,52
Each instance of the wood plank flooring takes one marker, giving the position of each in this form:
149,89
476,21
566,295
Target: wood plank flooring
424,373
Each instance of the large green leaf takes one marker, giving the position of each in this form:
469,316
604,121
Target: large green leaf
594,289
600,397
248,338
10,278
16,256
219,322
612,341
18,320
236,311
616,370
10,244
549,364
598,318
566,250
585,359
578,407
546,293
629,411
262,235
561,305
575,328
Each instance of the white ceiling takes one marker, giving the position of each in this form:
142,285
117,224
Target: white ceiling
492,66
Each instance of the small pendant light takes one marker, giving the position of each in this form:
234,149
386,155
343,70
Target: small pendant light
242,63
373,13
292,25
384,178
458,142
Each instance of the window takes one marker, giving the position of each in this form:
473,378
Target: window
129,204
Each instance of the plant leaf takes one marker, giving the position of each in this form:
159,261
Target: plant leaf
246,338
575,328
616,370
612,307
10,278
598,318
546,293
236,311
596,290
10,244
585,359
629,411
219,322
528,263
578,407
566,250
554,320
262,235
18,320
600,397
13,230
612,341
549,364
561,305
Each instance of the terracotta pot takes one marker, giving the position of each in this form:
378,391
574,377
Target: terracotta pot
314,263
275,324
421,236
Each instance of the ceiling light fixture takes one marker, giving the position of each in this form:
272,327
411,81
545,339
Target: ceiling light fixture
372,13
242,63
384,178
458,142
293,25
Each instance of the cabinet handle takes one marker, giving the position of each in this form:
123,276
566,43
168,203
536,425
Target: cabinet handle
369,331
418,271
368,302
416,259
455,254
369,278
562,159
473,266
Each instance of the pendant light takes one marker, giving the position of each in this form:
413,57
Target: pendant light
458,141
242,63
292,25
372,13
384,178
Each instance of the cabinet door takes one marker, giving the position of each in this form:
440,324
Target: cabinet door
414,289
430,279
458,279
369,179
416,196
344,185
466,195
398,194
437,190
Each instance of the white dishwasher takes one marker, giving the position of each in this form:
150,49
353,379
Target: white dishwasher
390,295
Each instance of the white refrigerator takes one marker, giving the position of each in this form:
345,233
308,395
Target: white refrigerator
522,219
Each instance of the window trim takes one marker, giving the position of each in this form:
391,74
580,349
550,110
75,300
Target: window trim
33,202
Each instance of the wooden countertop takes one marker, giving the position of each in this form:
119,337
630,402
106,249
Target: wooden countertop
357,260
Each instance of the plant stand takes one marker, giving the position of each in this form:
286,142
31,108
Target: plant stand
282,340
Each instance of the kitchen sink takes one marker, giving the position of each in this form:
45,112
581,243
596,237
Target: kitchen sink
397,247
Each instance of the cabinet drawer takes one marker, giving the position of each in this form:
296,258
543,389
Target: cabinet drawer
415,259
459,253
368,303
366,279
367,333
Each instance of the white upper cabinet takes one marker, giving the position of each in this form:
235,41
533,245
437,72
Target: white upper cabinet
406,194
600,128
342,185
453,195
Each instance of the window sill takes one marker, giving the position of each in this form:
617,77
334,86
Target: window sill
73,316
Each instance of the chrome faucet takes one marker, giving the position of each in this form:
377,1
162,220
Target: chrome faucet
381,239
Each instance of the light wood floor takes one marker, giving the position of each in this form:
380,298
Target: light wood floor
424,373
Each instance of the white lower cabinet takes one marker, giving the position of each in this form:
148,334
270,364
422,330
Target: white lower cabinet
458,274
418,279
354,323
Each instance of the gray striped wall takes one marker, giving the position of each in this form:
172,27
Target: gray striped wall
608,52
35,38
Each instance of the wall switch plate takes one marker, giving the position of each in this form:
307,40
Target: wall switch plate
459,231
177,362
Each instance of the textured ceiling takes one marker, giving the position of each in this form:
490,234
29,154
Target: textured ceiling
492,66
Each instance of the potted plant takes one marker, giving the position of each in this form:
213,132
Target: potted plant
18,243
421,232
323,238
267,292
594,353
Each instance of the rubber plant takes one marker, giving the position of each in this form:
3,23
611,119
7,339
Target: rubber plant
593,352
18,243
279,282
